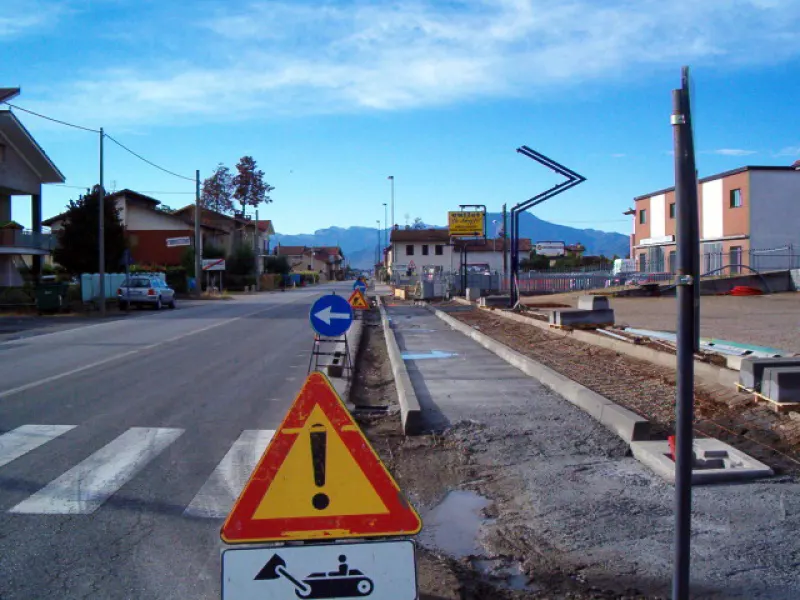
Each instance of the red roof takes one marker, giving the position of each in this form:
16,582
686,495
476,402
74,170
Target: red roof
290,250
264,224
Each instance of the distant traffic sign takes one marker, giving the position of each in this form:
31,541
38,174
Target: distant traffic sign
331,315
360,285
358,301
179,241
380,570
213,264
319,479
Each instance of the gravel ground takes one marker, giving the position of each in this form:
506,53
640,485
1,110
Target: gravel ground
649,390
771,320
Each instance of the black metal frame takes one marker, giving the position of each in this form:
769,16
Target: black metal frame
478,241
573,179
316,352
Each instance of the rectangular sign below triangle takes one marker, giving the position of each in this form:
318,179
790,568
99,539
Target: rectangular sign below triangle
358,301
319,479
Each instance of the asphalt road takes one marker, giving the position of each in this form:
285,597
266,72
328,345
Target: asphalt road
123,444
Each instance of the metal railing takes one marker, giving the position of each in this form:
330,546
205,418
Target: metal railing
23,238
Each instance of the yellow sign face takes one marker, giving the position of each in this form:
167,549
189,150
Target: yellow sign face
465,223
358,301
319,479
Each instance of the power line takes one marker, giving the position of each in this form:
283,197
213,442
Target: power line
30,112
143,159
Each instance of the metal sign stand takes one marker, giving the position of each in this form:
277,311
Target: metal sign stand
573,179
478,240
316,352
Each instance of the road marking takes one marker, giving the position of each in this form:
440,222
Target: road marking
82,489
40,382
216,497
25,438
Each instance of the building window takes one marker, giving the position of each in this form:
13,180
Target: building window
673,257
672,210
424,249
736,260
643,216
410,250
643,263
736,198
439,250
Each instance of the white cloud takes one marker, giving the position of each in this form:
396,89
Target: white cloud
733,152
290,57
789,151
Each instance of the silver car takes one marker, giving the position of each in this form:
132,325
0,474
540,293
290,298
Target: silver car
145,291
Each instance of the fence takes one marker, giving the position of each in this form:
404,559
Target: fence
715,261
90,284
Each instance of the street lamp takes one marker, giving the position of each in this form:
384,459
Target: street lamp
391,178
385,226
378,248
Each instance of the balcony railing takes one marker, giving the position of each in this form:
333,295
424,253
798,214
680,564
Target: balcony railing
26,239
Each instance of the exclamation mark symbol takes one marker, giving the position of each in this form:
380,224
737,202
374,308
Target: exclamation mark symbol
319,442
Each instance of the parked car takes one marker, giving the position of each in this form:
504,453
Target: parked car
145,291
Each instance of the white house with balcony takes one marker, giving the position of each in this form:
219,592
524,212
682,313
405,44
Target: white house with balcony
24,168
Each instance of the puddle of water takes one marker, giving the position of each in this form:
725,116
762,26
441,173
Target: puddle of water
510,573
427,355
453,525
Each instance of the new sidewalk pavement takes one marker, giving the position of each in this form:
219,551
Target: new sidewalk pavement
577,490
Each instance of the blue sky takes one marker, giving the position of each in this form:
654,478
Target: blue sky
332,97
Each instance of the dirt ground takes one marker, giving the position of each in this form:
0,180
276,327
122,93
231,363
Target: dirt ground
771,320
649,390
428,467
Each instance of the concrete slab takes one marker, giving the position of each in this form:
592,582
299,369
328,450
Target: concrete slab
781,384
751,371
716,461
570,317
593,303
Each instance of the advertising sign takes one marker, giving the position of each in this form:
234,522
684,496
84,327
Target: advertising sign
465,223
550,248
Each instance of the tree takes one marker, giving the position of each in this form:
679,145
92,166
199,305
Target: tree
278,265
250,189
218,190
77,249
418,224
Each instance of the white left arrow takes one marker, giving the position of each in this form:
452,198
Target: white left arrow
326,314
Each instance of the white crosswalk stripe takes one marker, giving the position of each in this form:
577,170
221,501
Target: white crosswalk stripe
84,488
216,497
25,438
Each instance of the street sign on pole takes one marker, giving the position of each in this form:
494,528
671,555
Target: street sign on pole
379,570
360,285
319,479
331,316
463,223
179,241
213,264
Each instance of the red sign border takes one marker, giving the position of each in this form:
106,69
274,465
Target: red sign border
241,528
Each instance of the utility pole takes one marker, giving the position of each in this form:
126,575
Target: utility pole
385,226
687,281
378,250
101,234
505,247
391,177
198,242
256,250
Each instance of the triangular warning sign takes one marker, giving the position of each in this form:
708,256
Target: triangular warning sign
319,478
357,300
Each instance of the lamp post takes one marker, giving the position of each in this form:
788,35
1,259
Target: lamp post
391,178
385,225
378,249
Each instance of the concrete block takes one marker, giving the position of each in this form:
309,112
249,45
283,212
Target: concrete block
473,294
751,371
715,461
571,317
626,423
593,303
494,301
781,384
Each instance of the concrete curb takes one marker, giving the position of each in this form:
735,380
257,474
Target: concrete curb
704,372
625,423
410,411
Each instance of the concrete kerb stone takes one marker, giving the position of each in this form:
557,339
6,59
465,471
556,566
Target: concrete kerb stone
410,411
625,423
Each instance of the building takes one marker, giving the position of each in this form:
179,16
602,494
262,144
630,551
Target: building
24,168
413,250
328,261
147,229
747,217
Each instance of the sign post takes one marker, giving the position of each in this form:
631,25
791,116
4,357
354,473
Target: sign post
318,481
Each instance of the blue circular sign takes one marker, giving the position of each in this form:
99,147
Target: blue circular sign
360,285
331,315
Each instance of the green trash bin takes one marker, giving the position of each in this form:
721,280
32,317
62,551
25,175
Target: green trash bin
51,297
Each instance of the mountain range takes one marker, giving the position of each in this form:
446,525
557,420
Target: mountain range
359,243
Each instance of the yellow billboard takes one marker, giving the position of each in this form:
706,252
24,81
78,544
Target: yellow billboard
465,223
